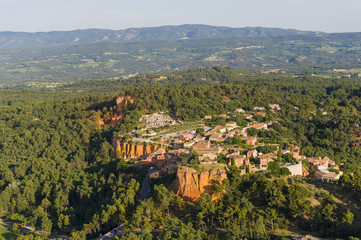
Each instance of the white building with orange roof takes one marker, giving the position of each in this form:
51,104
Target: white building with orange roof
239,110
275,107
231,125
257,126
221,129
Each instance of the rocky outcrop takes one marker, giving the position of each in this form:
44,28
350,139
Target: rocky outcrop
133,150
191,183
123,104
115,120
110,122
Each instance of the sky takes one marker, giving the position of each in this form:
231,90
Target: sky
64,15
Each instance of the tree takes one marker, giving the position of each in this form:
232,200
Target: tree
285,171
206,208
289,158
277,198
347,217
279,154
166,235
187,232
252,131
2,127
77,235
273,167
45,203
200,131
46,225
237,140
218,190
221,158
163,197
233,163
271,216
63,223
297,202
15,228
194,158
132,236
266,149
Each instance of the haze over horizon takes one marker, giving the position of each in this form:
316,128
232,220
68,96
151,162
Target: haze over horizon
158,26
51,15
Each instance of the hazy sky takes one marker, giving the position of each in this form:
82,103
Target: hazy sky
48,15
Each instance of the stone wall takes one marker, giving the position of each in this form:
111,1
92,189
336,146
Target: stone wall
296,169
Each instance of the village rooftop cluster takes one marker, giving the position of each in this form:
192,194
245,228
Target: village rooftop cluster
228,144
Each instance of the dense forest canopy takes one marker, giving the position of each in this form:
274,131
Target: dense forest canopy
59,171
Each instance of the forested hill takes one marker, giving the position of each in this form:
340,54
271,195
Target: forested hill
317,87
59,171
188,31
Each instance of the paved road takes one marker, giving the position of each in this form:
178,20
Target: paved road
115,232
145,191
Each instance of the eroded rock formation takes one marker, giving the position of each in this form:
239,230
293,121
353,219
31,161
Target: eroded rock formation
123,104
191,184
133,150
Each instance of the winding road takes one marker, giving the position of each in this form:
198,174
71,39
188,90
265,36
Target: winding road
145,190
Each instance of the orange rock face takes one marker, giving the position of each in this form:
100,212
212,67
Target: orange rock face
132,150
191,184
123,103
114,120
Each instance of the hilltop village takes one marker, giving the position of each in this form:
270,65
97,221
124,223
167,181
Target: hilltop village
201,156
185,162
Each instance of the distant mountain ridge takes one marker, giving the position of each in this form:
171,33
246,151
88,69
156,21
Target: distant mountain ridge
187,31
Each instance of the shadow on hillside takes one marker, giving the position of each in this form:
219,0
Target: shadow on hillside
9,236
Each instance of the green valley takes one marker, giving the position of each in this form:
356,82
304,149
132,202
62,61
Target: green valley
323,55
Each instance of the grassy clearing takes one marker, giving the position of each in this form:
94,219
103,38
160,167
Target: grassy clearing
328,49
57,68
88,65
25,69
110,64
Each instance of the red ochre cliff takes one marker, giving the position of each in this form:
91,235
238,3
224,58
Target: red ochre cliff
191,183
122,105
133,150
